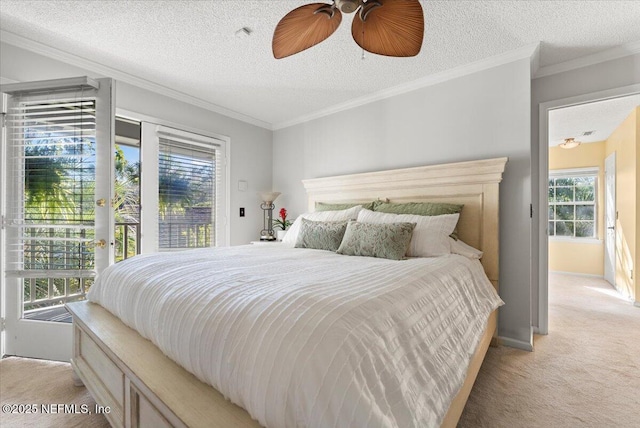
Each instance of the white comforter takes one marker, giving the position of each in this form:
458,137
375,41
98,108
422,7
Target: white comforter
309,338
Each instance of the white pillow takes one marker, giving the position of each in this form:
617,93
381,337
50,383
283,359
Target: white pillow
459,247
292,234
430,236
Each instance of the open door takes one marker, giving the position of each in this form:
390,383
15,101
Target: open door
610,219
58,224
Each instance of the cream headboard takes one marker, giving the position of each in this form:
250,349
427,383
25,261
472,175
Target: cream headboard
474,184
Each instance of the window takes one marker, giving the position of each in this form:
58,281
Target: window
183,192
186,195
572,203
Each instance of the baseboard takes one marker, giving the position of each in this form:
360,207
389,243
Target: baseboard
536,330
589,275
515,343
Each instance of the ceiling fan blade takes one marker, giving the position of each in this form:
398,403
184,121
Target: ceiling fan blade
390,27
304,27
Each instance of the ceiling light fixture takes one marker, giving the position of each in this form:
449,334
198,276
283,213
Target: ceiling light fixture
384,27
569,143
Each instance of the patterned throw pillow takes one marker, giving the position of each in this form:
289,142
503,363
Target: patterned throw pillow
291,237
386,240
321,235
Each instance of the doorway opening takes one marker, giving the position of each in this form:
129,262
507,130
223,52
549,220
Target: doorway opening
589,164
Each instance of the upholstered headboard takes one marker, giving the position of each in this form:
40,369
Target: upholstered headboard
474,184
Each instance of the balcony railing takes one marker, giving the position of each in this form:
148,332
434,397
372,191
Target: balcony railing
127,240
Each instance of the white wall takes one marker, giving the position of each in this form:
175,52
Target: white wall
250,148
608,75
483,115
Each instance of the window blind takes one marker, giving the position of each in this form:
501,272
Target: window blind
51,156
188,168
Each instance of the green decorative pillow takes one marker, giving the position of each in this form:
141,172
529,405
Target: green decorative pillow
384,240
420,208
417,208
321,235
324,206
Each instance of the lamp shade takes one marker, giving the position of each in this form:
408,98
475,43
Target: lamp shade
269,197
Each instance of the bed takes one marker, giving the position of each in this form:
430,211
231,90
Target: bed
143,387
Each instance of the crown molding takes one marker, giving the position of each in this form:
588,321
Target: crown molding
621,51
104,70
529,51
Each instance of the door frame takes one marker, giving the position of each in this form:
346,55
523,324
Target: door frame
543,202
225,140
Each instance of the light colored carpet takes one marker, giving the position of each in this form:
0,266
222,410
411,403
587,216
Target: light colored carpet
28,381
585,373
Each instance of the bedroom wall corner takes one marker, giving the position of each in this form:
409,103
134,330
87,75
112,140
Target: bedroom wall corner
250,148
481,115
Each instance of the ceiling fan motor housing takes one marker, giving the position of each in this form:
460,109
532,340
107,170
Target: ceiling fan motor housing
347,6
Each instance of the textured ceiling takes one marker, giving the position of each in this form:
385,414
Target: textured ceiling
602,117
190,46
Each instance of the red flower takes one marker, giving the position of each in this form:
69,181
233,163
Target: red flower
282,222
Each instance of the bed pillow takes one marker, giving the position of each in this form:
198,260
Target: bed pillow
431,234
420,208
321,235
324,206
388,241
463,249
291,237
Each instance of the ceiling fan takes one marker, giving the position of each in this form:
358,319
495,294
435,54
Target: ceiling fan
384,27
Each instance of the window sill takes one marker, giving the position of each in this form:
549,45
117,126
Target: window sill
575,240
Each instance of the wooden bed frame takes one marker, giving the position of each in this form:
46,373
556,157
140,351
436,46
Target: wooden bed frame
142,387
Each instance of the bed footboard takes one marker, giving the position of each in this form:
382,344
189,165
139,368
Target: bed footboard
141,386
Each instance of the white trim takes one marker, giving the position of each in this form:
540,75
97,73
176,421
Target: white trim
588,275
571,240
621,51
6,81
57,54
575,172
514,343
528,51
543,203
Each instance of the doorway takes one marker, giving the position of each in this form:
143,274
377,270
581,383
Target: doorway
546,213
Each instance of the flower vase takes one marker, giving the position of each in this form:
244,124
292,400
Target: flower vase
280,234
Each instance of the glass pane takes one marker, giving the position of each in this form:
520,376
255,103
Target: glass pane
552,194
127,205
550,182
564,228
585,229
585,212
564,194
551,216
585,181
565,181
54,148
564,212
551,229
186,197
585,193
